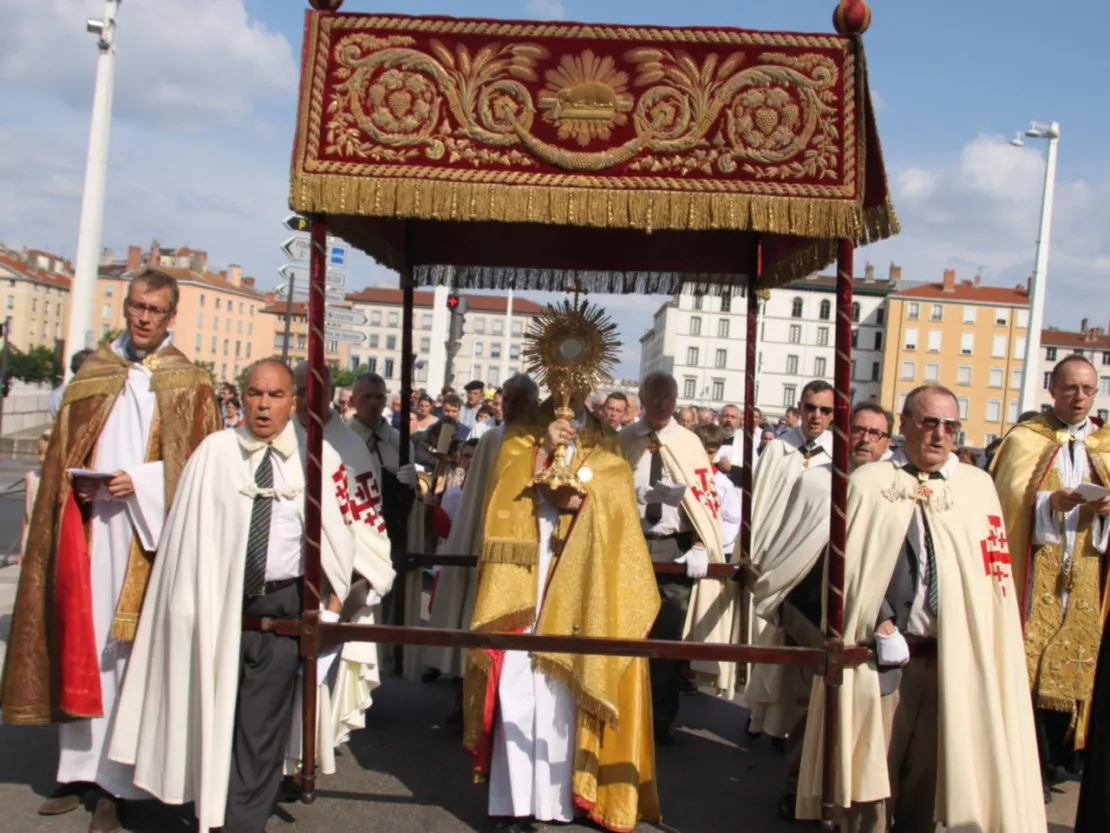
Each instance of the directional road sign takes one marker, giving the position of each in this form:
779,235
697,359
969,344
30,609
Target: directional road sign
300,293
353,336
351,317
295,222
299,275
299,246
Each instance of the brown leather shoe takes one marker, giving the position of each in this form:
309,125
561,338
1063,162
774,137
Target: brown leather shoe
65,799
105,818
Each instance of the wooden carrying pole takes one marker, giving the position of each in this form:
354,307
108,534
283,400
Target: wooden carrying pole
408,299
838,530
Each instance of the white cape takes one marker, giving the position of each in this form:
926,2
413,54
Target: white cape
177,709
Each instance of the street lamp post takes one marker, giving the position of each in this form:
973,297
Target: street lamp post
82,293
1037,292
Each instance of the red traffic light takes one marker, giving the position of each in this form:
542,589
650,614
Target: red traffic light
452,302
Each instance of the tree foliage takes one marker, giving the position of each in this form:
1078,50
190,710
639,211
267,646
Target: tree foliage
39,364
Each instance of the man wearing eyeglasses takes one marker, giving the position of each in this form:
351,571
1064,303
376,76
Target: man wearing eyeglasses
128,422
937,728
1059,535
806,445
789,593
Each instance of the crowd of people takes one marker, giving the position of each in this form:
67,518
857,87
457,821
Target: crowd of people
167,534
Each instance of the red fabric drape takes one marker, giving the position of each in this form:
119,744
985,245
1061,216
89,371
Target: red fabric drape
79,668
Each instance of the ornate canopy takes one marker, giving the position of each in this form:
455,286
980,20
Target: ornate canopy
632,158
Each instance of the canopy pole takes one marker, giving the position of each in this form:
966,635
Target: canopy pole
407,303
747,448
314,481
838,529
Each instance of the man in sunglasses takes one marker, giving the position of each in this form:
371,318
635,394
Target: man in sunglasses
129,420
1059,535
790,589
938,727
783,460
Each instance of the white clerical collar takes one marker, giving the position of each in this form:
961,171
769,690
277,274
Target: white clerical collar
796,440
664,433
284,443
900,461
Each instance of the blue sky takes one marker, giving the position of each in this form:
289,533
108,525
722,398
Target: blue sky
206,93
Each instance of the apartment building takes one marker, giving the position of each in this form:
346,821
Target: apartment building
700,340
1092,343
218,314
34,286
967,336
274,313
491,345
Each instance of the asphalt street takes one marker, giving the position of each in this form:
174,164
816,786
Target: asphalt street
408,773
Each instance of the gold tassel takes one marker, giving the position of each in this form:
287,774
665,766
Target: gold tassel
520,553
585,702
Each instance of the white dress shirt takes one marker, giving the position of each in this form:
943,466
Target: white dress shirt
673,519
285,554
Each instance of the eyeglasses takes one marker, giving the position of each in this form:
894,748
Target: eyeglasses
155,312
951,427
870,433
1073,391
810,408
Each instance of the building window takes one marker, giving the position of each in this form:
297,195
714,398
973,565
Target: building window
722,328
238,348
914,312
393,319
1012,411
792,365
880,316
822,336
1016,379
909,370
852,375
932,372
498,327
239,328
963,374
227,346
996,375
479,325
216,323
795,333
855,339
518,329
902,402
936,313
998,347
934,341
425,345
106,312
695,326
11,302
878,341
962,402
1001,316
726,302
967,344
1019,347
374,341
514,352
213,348
426,321
477,370
331,347
1106,359
718,389
199,344
826,310
855,312
911,339
1104,386
391,342
698,301
789,396
994,410
494,376
388,369
479,348
1047,380
692,356
721,359
689,387
796,308
820,364
376,318
248,349
876,369
1104,414
217,302
970,315
495,350
1050,354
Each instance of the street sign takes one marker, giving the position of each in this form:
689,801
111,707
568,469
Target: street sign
350,317
295,222
353,336
300,294
299,246
299,275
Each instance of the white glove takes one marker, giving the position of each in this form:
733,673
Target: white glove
696,560
891,649
406,474
372,597
326,659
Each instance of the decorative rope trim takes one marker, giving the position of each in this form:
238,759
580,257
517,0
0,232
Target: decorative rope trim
586,701
289,493
520,553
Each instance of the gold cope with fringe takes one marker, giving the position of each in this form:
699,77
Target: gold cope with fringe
1061,646
185,413
601,585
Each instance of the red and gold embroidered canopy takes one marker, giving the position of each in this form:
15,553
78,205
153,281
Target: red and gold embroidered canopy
514,153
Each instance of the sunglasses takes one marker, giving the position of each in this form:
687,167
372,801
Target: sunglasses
810,408
871,433
951,427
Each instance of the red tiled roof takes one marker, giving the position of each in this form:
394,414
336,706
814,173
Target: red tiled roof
1076,341
208,278
8,261
478,303
966,291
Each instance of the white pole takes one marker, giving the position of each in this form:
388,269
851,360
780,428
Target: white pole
1030,384
507,342
82,293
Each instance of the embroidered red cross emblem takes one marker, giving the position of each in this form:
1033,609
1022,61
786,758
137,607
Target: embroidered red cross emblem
367,497
996,553
706,494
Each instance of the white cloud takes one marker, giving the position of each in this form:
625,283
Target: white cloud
981,209
547,9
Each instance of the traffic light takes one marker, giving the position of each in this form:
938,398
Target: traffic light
457,306
453,302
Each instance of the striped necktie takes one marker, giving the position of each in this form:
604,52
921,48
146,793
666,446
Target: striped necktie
653,512
258,541
932,585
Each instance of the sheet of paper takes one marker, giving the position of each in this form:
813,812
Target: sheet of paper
92,475
1091,491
